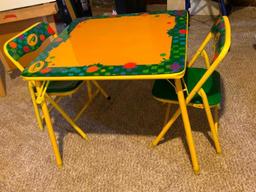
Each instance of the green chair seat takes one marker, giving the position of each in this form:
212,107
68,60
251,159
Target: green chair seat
162,89
62,86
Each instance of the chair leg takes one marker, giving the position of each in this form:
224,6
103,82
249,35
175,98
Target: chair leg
210,120
91,96
167,113
51,134
216,118
78,115
65,116
103,92
86,105
57,100
36,109
166,128
189,137
184,114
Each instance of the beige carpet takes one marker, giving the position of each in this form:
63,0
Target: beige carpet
118,158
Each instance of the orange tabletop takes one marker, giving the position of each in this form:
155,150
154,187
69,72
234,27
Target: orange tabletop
135,46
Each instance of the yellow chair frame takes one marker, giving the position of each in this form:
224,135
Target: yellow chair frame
38,92
198,90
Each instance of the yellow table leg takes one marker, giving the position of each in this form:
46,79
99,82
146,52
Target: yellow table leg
184,113
51,133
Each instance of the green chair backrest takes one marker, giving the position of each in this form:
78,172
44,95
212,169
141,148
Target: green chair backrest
27,41
221,34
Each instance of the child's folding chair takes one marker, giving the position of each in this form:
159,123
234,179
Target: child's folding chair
201,85
30,40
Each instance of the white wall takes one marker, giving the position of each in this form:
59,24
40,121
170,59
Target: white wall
14,4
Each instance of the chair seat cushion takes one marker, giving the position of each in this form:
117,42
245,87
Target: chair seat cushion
162,89
62,86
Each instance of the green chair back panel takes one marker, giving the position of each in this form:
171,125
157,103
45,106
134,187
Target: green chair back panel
29,41
219,32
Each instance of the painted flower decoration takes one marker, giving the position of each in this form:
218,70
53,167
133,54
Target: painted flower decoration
45,70
183,31
21,37
13,45
42,37
130,65
26,49
50,30
92,69
175,67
